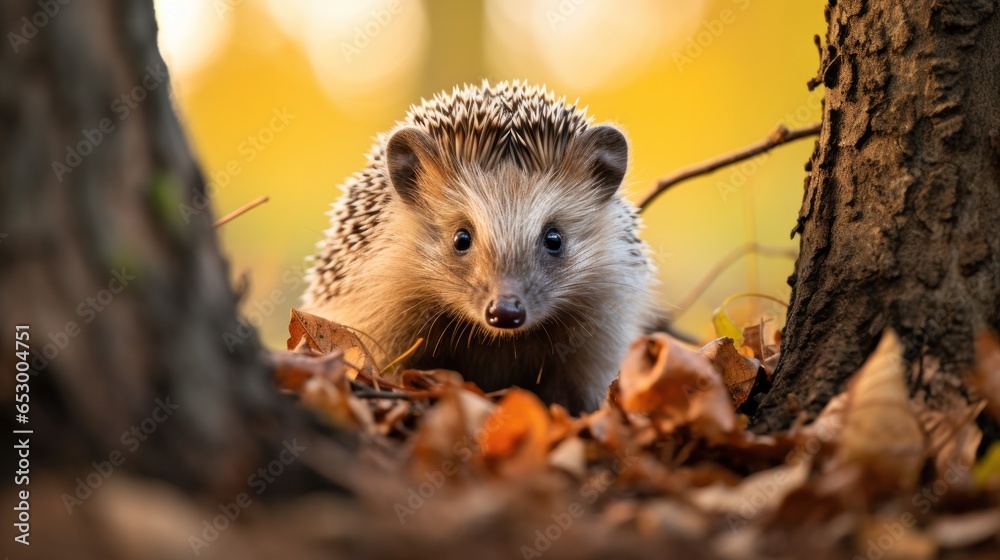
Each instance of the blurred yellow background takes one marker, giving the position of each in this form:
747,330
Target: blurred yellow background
283,97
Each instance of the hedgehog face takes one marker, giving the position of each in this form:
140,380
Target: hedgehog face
514,248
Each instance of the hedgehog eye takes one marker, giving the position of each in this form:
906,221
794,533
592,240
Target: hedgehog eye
462,241
553,241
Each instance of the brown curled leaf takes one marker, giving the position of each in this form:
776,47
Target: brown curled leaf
881,434
738,371
449,432
334,400
661,377
292,369
767,354
323,336
516,438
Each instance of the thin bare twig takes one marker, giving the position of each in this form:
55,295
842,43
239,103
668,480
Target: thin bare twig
782,135
721,266
242,209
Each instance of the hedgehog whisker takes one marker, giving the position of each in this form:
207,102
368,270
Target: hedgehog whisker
443,332
468,343
430,320
552,347
583,320
452,344
562,323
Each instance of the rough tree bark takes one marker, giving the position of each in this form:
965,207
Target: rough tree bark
124,289
898,222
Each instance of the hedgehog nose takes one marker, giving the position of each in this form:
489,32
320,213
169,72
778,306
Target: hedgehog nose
505,313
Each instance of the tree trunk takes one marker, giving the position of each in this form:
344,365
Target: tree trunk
109,256
898,222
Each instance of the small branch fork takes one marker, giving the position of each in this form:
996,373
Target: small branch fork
781,135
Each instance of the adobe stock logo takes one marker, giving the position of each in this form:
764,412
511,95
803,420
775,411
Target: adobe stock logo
122,106
31,25
364,35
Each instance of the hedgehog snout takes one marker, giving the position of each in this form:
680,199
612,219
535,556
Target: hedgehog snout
506,312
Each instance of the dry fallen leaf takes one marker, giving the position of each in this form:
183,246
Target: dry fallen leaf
432,380
661,377
517,434
952,435
293,369
823,433
333,398
753,339
894,538
956,531
767,354
672,518
738,371
757,495
475,410
609,426
881,434
571,456
447,434
689,470
324,336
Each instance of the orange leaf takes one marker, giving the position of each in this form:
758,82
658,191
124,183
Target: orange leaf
517,438
661,377
738,371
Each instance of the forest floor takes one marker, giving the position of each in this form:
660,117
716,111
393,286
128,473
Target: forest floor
667,460
666,467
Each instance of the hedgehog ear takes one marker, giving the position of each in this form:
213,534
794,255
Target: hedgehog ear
608,152
409,153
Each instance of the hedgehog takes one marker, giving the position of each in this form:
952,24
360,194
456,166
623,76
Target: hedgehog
491,223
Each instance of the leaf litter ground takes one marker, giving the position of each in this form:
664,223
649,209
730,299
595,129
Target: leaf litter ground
665,467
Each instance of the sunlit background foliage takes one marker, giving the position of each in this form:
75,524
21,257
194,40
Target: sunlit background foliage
686,79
